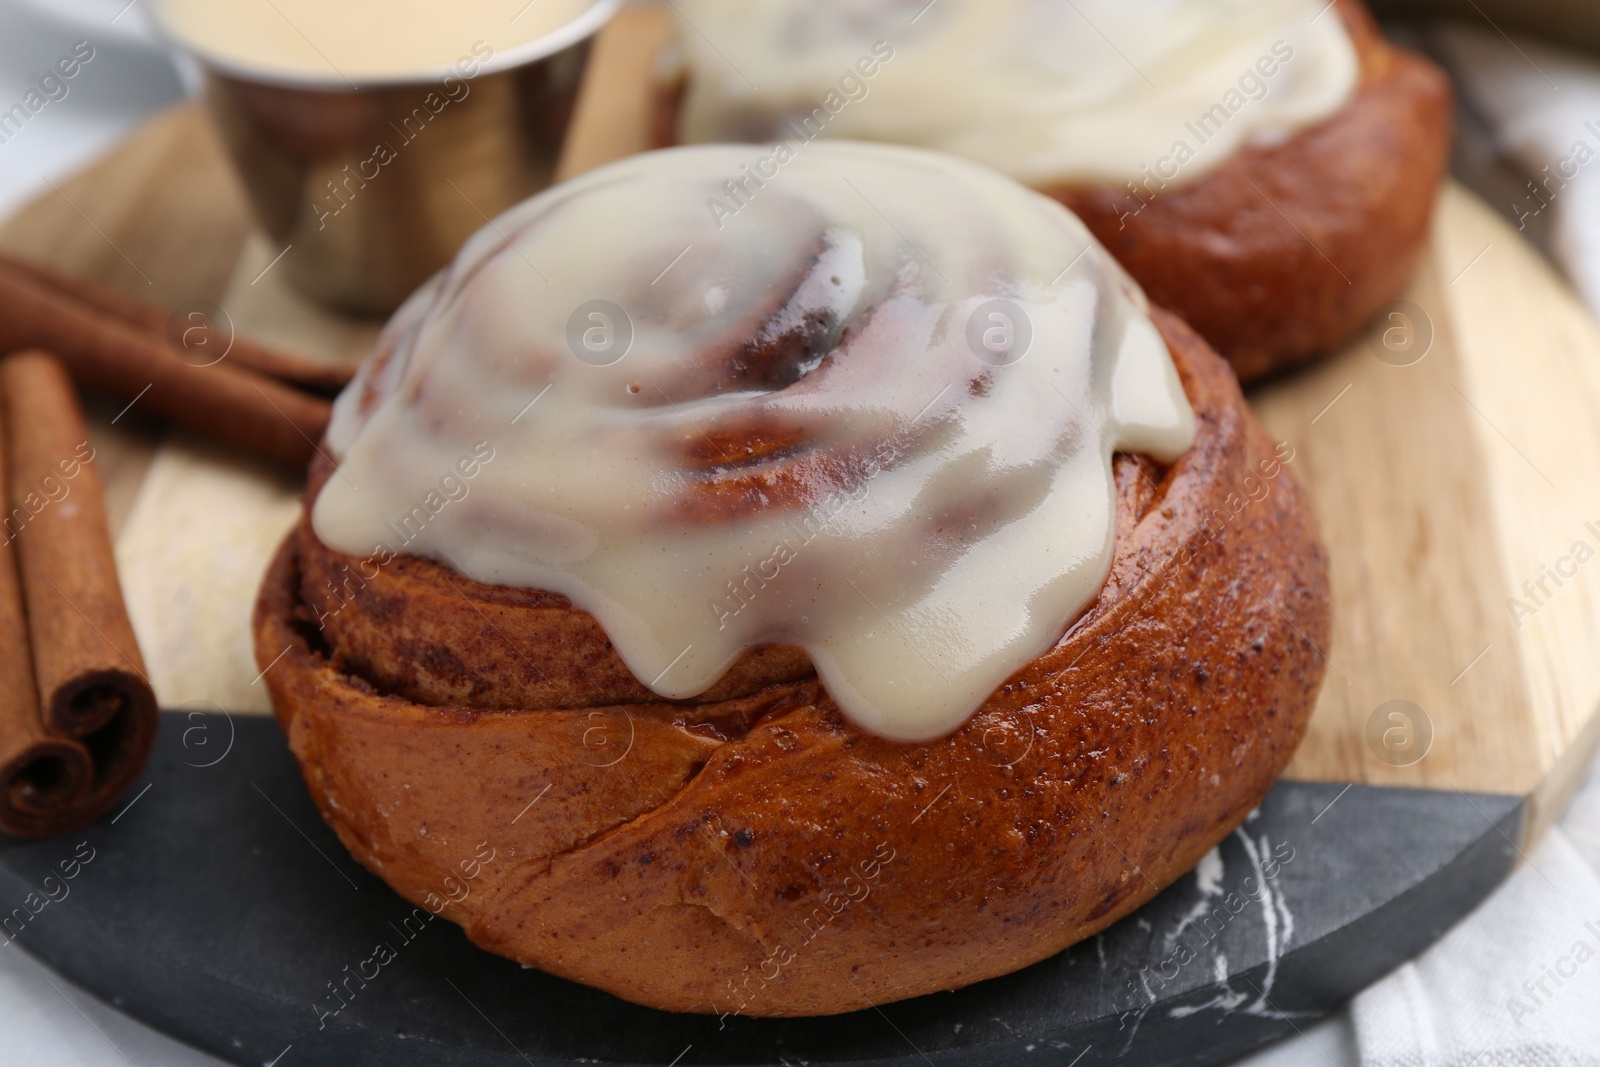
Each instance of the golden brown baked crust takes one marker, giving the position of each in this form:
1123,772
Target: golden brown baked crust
757,854
1287,250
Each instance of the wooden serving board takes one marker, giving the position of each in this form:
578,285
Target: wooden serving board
1455,480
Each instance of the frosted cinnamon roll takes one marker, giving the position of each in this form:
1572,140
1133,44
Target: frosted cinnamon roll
1266,168
731,532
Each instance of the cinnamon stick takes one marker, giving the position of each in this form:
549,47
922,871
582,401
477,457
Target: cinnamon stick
232,403
92,702
195,335
40,775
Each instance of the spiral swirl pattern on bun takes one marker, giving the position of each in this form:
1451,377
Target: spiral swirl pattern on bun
870,414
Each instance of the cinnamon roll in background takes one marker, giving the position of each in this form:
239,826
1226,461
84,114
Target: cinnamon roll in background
846,593
1265,168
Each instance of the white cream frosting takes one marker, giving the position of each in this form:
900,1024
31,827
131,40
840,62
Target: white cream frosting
361,39
917,497
1047,91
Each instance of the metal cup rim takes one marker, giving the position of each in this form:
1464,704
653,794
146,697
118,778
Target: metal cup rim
585,25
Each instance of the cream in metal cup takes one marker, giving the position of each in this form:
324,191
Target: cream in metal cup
371,184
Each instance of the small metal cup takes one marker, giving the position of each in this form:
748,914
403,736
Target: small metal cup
371,189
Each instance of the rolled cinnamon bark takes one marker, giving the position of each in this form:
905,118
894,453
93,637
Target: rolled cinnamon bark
109,303
232,403
39,774
93,716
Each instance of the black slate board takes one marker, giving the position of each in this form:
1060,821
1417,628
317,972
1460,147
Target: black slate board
217,906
